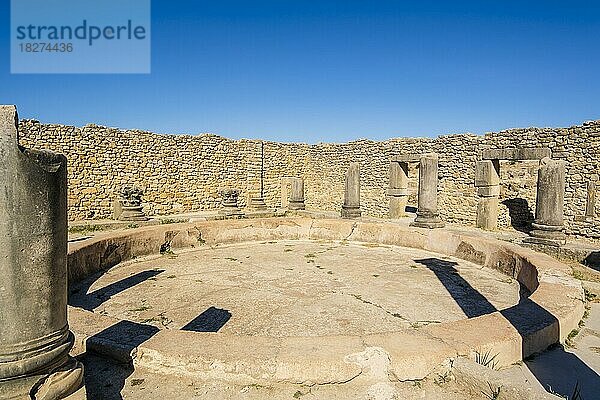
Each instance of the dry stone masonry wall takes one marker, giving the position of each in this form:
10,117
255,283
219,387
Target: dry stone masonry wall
182,173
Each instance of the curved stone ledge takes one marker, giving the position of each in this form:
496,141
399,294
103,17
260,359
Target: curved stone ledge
552,309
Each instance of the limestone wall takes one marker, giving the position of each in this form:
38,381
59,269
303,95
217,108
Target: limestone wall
182,173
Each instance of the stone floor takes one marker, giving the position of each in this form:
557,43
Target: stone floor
316,288
558,370
106,380
297,288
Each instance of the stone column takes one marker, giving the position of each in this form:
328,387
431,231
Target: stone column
229,204
487,182
129,206
398,190
256,200
297,194
286,183
351,207
427,213
548,227
34,335
590,204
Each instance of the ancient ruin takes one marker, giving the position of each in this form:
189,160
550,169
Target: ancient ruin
287,299
427,212
229,204
487,182
549,226
351,206
129,206
398,189
296,201
35,340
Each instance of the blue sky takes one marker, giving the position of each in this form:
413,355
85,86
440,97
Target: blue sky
328,71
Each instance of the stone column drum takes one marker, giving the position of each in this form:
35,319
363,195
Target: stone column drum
297,194
34,335
487,182
129,206
548,227
398,190
351,206
590,204
229,205
427,213
256,200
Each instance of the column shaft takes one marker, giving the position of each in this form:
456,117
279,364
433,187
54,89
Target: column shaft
398,190
351,207
297,194
487,181
427,213
34,335
549,203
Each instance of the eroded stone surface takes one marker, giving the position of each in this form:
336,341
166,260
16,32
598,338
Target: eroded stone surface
297,288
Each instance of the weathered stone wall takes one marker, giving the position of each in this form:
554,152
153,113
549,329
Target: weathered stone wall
183,173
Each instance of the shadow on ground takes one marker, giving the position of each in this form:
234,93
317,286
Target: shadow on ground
593,260
210,320
561,372
79,296
469,299
557,370
105,379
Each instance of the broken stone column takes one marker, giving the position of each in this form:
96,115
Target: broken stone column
590,204
129,206
548,227
286,183
427,213
297,194
487,182
398,190
34,335
351,206
256,200
229,204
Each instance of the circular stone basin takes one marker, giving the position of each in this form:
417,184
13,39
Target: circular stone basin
297,288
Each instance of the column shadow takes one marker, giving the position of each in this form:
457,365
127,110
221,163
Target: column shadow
109,358
79,296
563,373
471,302
556,369
210,320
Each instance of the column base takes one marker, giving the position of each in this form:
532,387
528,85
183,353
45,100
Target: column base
546,235
257,203
231,212
351,212
133,214
296,205
62,383
430,222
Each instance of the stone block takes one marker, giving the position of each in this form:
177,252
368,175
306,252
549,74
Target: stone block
511,154
488,191
487,173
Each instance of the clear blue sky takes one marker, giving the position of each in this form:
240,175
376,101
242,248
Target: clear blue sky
321,70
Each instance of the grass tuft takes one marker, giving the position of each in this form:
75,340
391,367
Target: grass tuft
494,394
487,359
